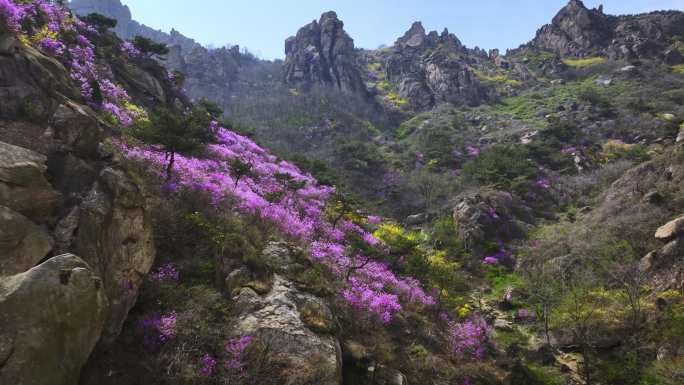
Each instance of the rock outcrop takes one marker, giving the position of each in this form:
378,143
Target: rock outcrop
491,216
62,190
51,318
22,243
671,230
323,53
115,237
428,69
577,31
23,184
666,264
297,326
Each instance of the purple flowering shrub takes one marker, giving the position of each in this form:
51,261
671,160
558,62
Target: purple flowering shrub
52,28
278,192
208,365
236,352
165,273
158,329
11,14
469,339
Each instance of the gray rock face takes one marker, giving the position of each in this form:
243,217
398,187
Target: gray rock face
32,83
50,319
578,31
297,326
428,69
77,129
22,243
323,53
23,185
278,319
115,237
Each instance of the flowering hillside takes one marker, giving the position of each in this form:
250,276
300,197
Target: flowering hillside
53,30
278,192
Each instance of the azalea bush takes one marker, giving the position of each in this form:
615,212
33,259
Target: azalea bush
278,192
52,29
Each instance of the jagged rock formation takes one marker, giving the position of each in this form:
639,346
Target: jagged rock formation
323,53
428,69
51,317
578,31
127,28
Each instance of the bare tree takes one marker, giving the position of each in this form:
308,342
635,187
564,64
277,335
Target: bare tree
632,283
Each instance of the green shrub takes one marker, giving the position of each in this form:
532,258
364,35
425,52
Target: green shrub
148,47
584,62
100,22
500,165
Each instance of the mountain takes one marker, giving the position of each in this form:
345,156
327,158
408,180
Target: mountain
423,213
579,32
127,28
322,52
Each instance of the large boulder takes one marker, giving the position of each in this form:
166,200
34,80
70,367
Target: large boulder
305,352
297,326
76,128
671,230
23,184
50,320
491,216
114,236
22,243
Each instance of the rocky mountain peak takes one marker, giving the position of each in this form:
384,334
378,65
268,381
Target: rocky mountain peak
414,37
323,53
577,31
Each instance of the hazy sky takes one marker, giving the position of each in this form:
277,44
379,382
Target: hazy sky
263,25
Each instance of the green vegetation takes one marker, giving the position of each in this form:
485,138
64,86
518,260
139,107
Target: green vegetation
100,22
501,165
498,79
679,68
149,47
395,99
528,105
176,132
538,58
584,62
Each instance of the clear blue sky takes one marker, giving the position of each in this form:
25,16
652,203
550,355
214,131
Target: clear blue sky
263,25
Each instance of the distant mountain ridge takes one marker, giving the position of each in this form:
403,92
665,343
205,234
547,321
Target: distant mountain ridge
128,28
420,70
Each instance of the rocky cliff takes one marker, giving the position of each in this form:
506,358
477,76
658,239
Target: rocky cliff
579,32
429,69
323,53
75,231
